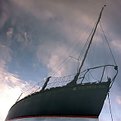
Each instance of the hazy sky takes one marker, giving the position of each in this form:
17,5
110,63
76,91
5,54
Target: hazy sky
37,36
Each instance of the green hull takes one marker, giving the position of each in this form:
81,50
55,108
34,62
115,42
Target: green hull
82,100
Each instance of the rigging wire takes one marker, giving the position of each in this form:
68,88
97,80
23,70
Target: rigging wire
85,44
108,44
86,41
110,108
93,76
59,66
115,67
82,51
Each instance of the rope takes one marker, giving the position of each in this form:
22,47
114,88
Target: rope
110,109
108,44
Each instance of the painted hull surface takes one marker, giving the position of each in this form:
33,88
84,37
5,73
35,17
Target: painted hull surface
82,100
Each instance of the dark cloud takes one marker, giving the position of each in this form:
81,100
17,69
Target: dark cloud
4,12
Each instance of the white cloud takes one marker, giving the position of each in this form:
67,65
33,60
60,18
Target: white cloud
57,57
118,100
10,89
116,45
5,54
52,57
11,86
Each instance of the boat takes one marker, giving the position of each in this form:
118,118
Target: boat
82,100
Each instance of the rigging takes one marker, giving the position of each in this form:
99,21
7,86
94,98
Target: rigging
108,44
110,108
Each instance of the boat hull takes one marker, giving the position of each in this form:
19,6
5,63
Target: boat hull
69,101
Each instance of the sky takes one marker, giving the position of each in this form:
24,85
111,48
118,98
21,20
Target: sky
43,37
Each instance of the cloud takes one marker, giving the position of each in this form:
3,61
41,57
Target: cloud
71,19
56,30
5,54
52,56
117,45
4,13
10,89
62,21
11,86
73,28
118,100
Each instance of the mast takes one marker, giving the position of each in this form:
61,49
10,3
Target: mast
87,50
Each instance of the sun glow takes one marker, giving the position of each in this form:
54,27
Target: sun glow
7,98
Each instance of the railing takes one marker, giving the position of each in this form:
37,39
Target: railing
95,74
